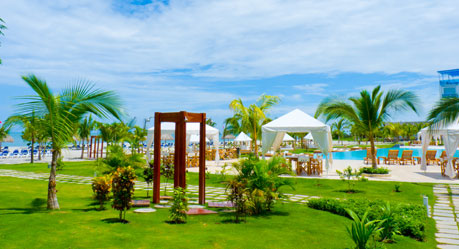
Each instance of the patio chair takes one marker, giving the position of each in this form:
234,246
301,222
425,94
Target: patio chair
407,157
302,165
392,157
431,157
441,158
368,159
316,166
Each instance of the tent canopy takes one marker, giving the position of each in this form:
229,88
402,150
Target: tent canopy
297,121
242,137
195,139
450,135
309,137
287,138
191,129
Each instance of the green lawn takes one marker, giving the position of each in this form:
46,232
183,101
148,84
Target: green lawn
25,223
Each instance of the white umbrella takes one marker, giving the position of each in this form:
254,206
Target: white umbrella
195,139
242,137
287,138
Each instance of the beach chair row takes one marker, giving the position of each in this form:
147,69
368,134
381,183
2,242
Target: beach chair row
393,158
22,154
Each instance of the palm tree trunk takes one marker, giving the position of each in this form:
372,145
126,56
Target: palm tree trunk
52,193
373,152
39,151
31,154
82,148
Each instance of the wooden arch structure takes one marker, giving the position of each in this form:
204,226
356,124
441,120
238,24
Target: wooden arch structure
180,119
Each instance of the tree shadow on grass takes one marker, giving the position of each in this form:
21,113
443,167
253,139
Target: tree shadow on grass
114,220
231,217
38,205
93,206
355,191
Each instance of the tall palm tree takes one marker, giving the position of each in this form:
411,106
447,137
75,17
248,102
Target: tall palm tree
444,112
369,111
252,117
339,126
84,131
61,111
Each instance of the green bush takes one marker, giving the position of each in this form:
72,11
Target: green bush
101,187
409,219
179,206
370,170
123,189
117,158
362,229
262,180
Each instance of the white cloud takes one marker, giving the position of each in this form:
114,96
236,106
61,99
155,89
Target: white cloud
145,54
312,89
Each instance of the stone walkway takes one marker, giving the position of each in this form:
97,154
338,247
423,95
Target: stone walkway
445,215
212,193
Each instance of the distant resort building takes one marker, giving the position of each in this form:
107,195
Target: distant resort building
449,82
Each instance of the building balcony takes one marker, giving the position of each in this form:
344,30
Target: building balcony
449,82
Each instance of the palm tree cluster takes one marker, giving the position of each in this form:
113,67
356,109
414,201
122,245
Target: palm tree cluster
369,111
249,119
2,27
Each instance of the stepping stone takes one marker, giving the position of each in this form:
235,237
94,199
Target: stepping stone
451,215
195,206
165,197
450,231
199,211
446,226
439,218
162,206
445,246
447,235
141,203
145,210
224,204
448,241
228,211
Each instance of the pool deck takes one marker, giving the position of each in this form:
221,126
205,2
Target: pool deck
399,173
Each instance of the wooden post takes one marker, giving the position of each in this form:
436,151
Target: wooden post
90,148
157,158
102,149
202,160
96,151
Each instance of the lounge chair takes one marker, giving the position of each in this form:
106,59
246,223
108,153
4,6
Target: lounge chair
431,157
14,154
368,159
24,153
407,157
5,154
392,157
441,158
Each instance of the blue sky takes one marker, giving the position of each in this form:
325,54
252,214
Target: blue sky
199,55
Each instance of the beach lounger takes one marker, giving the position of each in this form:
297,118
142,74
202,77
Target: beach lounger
14,154
5,154
431,157
407,157
368,159
392,157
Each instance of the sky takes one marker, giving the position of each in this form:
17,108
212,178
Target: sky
197,55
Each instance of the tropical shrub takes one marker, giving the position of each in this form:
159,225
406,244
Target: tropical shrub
179,206
409,219
239,196
101,187
117,158
262,180
348,175
371,170
123,189
397,188
362,229
388,226
167,170
148,176
60,163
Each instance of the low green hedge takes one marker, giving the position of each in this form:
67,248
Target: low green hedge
410,219
370,170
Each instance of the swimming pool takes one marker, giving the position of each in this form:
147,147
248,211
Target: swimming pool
360,154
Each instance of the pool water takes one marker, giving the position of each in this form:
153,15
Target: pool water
360,154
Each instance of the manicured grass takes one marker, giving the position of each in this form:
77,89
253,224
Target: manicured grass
25,223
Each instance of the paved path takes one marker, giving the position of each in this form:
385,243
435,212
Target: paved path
212,193
446,215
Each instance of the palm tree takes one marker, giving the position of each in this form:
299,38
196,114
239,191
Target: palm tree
444,112
210,122
61,111
4,131
84,131
368,112
31,124
2,27
252,117
339,126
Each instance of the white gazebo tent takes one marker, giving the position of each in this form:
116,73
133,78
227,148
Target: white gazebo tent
243,139
194,139
297,121
191,129
450,134
288,138
309,137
